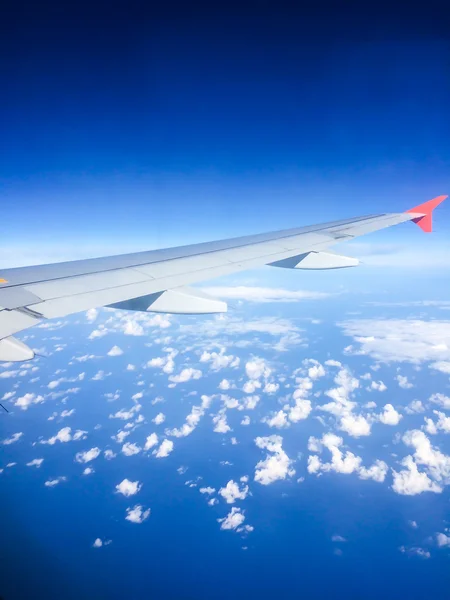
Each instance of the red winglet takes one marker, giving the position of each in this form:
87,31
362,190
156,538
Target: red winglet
425,221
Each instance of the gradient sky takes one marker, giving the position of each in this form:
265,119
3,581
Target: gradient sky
127,127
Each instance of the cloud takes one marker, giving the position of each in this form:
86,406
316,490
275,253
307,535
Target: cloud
401,340
87,456
220,360
54,482
403,382
442,540
128,488
109,454
220,423
115,351
410,481
160,418
88,471
231,492
257,368
441,400
277,465
355,425
207,490
415,551
64,435
442,424
130,449
342,462
192,419
137,514
13,439
164,450
390,416
262,294
36,462
186,375
233,520
278,420
25,401
151,441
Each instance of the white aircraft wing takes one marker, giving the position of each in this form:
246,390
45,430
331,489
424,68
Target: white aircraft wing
157,280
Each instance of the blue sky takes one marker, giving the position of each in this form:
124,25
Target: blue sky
136,129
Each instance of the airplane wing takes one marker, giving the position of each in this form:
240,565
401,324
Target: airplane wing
157,280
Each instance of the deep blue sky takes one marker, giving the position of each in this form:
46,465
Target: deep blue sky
134,126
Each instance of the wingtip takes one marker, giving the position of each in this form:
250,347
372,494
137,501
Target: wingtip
425,220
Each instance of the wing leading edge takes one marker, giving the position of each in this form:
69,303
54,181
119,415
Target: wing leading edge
158,281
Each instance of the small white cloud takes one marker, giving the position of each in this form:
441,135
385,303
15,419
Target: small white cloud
277,464
115,351
233,520
87,456
54,482
98,543
164,450
278,420
390,416
160,418
151,441
25,401
137,514
128,488
403,382
129,449
13,439
88,471
231,492
36,462
186,375
442,540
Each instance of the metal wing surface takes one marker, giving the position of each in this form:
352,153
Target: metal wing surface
157,280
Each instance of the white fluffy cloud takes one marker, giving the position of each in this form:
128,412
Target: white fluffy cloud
186,375
231,492
233,520
164,450
410,481
87,456
65,435
130,449
151,441
115,351
128,488
137,514
442,400
257,368
390,416
277,464
220,360
443,540
192,419
25,401
160,418
342,462
278,420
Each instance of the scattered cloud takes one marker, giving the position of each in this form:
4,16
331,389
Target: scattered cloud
128,488
137,514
